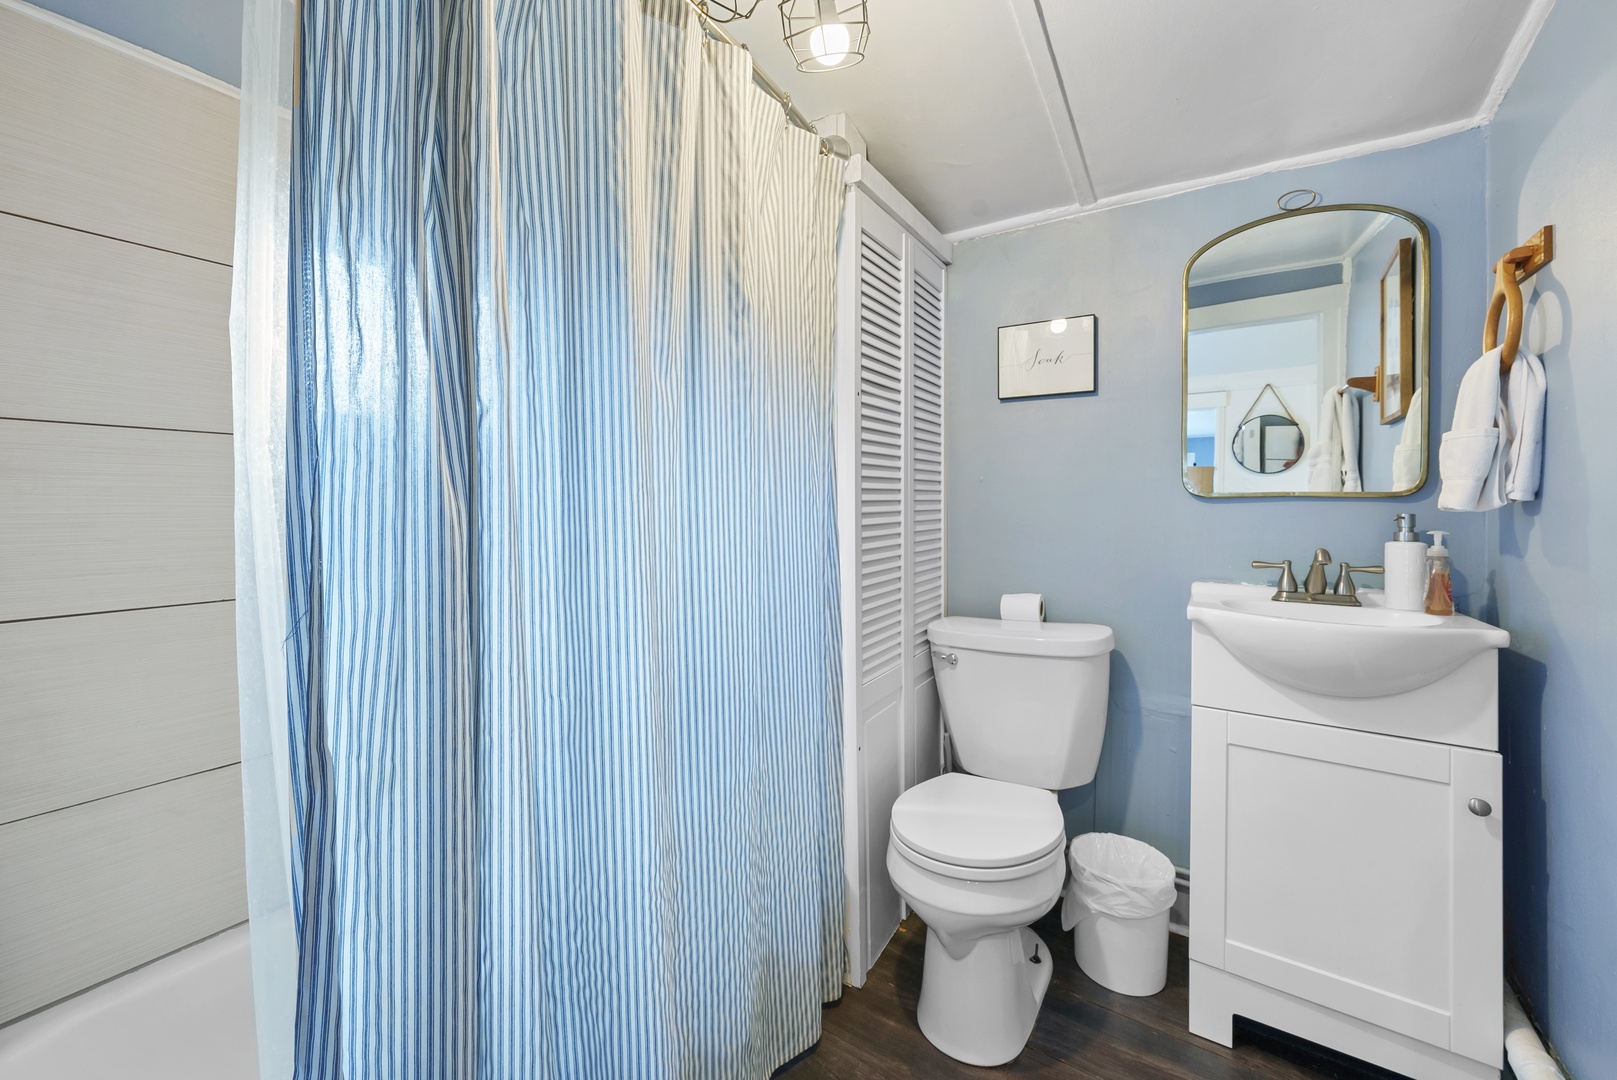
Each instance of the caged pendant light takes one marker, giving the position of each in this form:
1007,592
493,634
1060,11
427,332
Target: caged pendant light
825,34
723,13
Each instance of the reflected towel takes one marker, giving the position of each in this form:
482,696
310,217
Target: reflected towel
1333,462
1410,454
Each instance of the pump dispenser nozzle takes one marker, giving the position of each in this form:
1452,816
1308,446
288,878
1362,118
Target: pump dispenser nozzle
1440,542
1406,529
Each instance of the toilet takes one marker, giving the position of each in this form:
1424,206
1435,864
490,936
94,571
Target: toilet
980,854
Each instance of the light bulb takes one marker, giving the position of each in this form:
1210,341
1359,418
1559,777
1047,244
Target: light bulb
829,42
1058,326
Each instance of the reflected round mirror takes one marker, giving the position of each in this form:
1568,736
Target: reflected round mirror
1268,444
1323,314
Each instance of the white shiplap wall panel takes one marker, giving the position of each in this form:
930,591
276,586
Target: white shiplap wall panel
96,331
98,704
122,833
106,519
96,139
96,889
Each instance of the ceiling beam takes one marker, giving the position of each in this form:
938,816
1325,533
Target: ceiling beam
1046,70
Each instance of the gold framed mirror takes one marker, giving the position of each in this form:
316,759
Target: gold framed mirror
1305,356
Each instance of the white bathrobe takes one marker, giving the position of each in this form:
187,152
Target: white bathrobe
1333,461
1494,448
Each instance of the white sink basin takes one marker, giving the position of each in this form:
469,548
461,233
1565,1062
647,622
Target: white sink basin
1349,652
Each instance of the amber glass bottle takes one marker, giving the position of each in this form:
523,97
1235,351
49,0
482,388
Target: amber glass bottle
1439,586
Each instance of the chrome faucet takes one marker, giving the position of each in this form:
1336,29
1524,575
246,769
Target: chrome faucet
1314,589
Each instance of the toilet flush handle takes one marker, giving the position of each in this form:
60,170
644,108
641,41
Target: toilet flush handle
947,657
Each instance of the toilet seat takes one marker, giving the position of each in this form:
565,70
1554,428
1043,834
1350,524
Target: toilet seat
972,827
976,873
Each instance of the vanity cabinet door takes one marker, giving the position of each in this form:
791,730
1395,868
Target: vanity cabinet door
1348,869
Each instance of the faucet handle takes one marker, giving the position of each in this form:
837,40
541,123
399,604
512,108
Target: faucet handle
1288,580
1344,578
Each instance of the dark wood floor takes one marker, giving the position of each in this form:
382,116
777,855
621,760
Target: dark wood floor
1083,1031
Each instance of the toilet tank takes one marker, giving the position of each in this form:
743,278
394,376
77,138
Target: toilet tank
1023,702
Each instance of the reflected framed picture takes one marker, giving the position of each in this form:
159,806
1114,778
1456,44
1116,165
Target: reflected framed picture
1397,371
1047,359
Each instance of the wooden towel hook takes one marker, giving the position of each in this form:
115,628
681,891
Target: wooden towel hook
1517,265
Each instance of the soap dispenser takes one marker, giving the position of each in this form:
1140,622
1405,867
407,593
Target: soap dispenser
1439,586
1404,558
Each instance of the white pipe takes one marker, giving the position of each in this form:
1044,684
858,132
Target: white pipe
1523,1048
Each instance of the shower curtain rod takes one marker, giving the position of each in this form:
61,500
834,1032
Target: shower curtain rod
759,75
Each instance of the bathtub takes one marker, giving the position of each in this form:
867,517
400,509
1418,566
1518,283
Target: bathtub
188,1016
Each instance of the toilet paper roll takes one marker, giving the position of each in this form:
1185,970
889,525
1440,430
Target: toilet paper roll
1022,606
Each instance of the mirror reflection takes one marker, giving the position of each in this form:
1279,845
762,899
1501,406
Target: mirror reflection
1268,444
1305,356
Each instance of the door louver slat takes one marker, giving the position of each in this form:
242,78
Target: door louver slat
926,455
881,461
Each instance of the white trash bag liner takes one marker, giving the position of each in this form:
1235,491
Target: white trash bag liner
1116,875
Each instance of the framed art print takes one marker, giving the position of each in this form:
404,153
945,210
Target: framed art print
1047,358
1397,371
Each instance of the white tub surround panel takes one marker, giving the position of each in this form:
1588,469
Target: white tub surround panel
98,888
120,796
96,138
106,519
106,703
99,331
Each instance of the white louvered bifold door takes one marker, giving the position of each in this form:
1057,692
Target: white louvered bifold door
881,456
872,377
924,562
890,509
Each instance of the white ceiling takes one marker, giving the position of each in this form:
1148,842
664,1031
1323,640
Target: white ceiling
1289,244
993,113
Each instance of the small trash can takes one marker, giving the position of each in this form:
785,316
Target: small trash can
1116,905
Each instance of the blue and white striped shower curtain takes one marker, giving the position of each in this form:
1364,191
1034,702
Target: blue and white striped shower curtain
562,563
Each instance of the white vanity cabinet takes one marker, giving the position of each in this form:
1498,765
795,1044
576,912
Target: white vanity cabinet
1347,882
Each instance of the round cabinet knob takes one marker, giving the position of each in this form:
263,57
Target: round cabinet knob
1480,807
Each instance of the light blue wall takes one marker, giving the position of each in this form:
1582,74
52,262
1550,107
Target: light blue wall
204,34
1552,160
1080,498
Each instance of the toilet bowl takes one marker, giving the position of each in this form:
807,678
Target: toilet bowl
978,855
978,860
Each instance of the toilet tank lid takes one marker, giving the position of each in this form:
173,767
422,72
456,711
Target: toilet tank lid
1021,638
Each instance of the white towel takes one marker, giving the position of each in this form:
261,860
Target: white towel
1333,461
1410,453
1472,455
1494,450
1524,407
